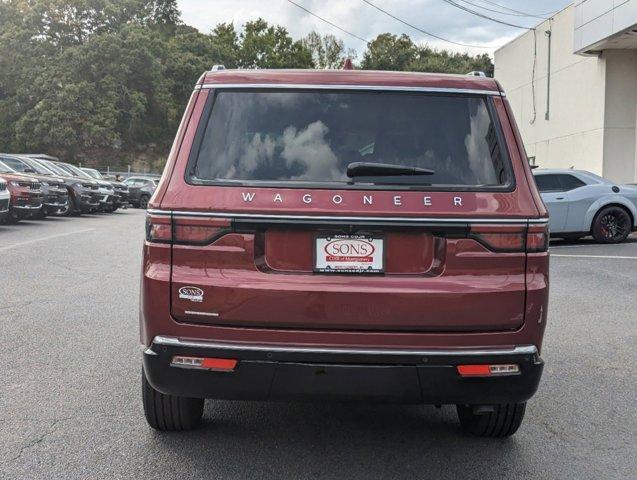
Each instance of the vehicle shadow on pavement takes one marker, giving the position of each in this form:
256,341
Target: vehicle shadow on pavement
300,440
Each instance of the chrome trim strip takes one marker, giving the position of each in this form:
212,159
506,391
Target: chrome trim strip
175,342
349,219
308,86
26,207
205,314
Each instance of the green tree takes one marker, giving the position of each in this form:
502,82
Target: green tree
327,51
225,46
389,52
267,46
97,80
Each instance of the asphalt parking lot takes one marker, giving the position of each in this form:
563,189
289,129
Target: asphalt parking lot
70,402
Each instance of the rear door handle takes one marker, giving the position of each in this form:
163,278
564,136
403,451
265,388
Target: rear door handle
559,198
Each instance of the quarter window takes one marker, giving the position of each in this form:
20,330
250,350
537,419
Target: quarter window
570,182
548,183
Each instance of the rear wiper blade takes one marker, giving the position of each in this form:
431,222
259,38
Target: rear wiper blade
370,169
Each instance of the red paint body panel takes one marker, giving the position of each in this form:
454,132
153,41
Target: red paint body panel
438,290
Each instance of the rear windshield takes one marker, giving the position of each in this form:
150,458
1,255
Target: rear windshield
312,136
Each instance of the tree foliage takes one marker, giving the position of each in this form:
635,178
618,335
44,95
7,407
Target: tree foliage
327,51
107,80
391,52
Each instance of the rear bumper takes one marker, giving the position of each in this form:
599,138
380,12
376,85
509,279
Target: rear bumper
300,373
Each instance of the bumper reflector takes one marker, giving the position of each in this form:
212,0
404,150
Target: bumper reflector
487,370
219,364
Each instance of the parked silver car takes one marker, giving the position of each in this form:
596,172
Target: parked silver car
581,203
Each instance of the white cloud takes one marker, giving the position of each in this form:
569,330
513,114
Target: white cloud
434,16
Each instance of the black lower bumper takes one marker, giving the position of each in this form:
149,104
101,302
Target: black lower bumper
87,202
263,373
55,202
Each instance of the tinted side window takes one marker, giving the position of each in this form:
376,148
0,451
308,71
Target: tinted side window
569,182
548,183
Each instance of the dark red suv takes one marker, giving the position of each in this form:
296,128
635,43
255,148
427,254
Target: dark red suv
348,235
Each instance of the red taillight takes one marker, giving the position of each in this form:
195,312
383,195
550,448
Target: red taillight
505,238
205,363
537,238
158,229
186,230
198,231
488,370
500,238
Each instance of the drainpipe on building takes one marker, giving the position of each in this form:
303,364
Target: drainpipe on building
548,75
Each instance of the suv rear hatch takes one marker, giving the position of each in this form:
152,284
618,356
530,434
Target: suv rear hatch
270,231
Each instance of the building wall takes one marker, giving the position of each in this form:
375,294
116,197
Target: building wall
596,20
573,134
620,120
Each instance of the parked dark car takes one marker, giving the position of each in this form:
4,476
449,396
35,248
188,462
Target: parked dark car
120,189
26,194
55,195
140,190
349,235
5,198
106,191
84,195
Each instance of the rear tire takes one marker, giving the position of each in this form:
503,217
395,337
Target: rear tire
143,201
611,225
169,412
504,421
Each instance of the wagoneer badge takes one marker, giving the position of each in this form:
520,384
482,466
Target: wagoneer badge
194,294
397,200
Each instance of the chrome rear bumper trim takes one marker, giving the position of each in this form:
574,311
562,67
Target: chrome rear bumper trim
176,342
260,216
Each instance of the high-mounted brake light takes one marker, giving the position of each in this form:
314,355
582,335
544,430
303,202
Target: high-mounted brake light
186,230
205,363
488,370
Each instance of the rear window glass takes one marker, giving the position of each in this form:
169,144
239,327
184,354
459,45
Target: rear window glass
310,136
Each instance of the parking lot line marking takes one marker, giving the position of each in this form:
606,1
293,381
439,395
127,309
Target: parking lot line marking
615,257
589,245
43,239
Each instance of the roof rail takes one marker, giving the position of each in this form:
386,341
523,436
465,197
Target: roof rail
216,68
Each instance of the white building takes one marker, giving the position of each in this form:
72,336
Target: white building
572,84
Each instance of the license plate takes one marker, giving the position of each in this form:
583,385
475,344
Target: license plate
349,254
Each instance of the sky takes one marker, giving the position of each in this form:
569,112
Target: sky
363,20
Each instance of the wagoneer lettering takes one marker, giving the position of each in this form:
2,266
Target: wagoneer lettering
380,228
365,199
